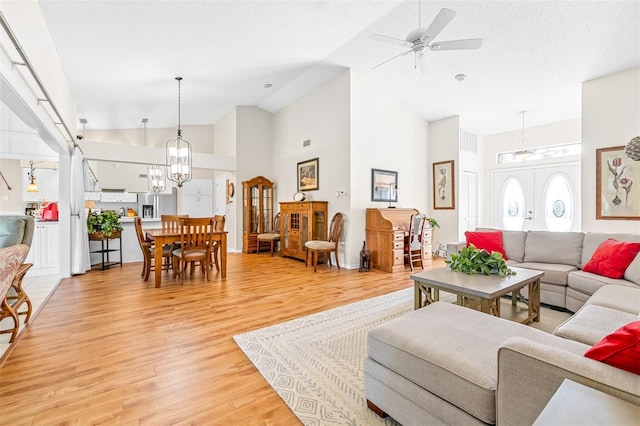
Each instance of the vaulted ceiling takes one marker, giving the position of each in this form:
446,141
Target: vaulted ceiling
121,57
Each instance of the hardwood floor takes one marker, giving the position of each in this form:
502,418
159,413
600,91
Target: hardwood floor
109,348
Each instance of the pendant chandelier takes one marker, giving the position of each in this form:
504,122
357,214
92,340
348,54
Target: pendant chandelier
179,154
523,154
156,181
32,180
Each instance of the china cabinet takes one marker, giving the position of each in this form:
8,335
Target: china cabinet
257,211
301,221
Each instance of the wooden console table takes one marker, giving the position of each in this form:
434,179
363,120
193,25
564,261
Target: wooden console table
105,250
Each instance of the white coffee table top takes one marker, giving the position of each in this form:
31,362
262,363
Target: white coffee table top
483,286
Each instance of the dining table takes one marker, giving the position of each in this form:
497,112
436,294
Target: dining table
162,236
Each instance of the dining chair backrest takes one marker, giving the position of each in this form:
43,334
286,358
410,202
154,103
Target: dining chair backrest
218,222
140,234
335,227
197,233
276,224
172,221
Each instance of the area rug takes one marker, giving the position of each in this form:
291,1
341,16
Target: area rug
315,363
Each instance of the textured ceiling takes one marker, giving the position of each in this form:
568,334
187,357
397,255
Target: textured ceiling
121,57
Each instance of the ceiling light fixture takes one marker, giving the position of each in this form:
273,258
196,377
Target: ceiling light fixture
156,178
523,154
32,187
179,154
460,77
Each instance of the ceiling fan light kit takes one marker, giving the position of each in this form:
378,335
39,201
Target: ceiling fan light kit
421,39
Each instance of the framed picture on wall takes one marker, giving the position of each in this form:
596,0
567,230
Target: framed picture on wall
308,178
616,196
444,196
384,185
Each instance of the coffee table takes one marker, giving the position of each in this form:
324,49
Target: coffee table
483,291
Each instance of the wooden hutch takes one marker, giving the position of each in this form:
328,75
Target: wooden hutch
386,230
301,221
257,211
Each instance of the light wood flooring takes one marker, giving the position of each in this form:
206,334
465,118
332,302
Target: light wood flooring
108,348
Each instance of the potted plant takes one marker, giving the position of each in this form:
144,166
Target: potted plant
104,225
472,260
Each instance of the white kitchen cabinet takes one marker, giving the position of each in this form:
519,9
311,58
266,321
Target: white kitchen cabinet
198,187
47,182
95,196
197,205
45,249
118,197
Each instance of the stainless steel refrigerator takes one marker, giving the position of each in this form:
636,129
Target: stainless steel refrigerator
155,205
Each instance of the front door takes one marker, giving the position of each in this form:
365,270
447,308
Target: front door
537,198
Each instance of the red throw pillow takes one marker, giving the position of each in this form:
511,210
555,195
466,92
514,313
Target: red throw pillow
487,240
612,258
619,349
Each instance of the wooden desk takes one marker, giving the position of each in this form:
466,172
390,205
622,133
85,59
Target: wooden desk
163,236
386,230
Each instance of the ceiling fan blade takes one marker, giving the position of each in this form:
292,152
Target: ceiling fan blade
389,60
391,40
472,43
441,20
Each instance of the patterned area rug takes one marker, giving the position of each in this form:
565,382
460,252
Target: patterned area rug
315,363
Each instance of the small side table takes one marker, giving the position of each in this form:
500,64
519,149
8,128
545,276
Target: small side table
576,404
104,248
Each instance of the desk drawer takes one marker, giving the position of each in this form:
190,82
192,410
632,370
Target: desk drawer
398,257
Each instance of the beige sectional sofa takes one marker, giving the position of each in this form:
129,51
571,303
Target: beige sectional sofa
447,364
561,255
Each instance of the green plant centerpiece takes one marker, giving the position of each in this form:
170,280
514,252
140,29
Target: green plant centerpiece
472,260
106,222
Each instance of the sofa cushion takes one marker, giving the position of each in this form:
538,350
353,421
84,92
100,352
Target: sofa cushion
619,349
621,298
632,273
592,322
593,239
553,273
553,247
486,240
588,283
11,233
513,242
451,352
612,258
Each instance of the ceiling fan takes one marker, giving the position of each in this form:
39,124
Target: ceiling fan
421,39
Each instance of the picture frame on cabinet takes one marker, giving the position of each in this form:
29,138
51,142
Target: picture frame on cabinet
384,185
444,195
616,198
308,175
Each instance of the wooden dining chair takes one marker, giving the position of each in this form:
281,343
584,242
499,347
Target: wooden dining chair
171,222
148,251
414,246
272,237
196,243
331,246
218,225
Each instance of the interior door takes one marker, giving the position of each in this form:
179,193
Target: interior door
469,202
540,198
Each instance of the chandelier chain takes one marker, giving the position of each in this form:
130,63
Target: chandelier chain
179,130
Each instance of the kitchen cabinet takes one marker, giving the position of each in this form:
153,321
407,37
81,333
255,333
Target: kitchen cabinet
48,184
257,211
198,187
197,198
197,205
45,249
95,196
301,221
118,197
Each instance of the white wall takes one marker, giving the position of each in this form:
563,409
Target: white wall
444,136
322,116
224,135
610,117
384,135
11,200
